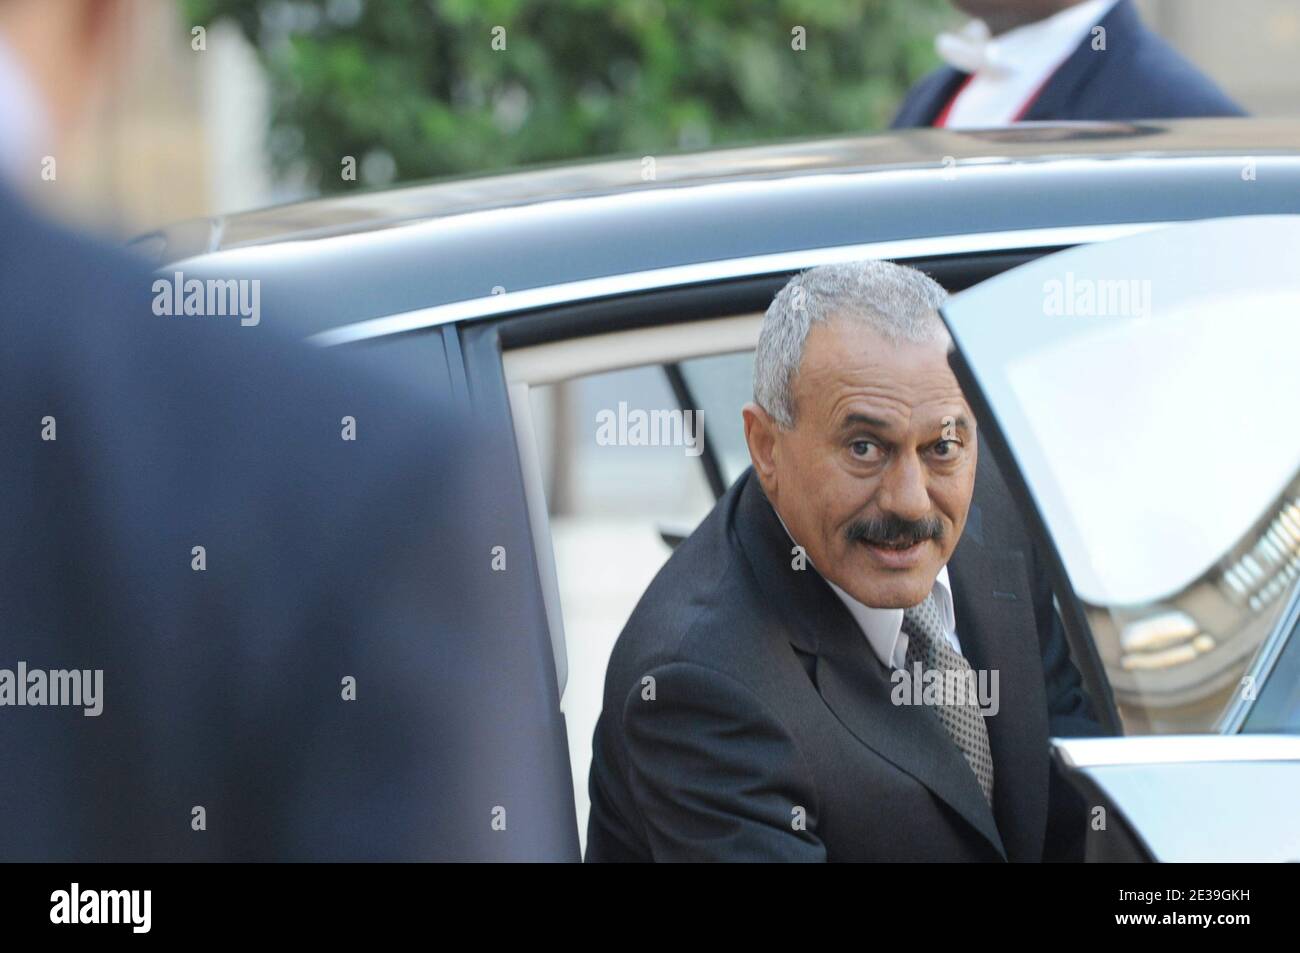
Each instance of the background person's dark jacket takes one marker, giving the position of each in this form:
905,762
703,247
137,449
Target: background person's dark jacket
1137,76
325,559
769,704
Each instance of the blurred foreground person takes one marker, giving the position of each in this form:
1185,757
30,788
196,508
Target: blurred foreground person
1045,60
227,632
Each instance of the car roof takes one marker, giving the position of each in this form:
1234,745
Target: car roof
355,257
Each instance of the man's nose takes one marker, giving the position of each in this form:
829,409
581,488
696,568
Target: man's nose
903,491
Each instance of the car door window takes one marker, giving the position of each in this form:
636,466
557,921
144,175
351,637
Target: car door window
1147,389
613,490
1277,709
720,386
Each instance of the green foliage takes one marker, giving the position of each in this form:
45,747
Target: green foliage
419,80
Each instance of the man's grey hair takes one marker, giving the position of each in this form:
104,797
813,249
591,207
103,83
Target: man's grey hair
898,303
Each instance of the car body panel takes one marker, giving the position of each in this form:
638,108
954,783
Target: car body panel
894,150
1184,798
347,260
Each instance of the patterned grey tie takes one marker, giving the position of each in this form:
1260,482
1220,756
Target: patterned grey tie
964,721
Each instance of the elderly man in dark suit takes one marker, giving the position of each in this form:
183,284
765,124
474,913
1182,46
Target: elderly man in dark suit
763,700
1043,60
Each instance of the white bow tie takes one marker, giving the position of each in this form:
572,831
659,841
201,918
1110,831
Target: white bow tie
971,49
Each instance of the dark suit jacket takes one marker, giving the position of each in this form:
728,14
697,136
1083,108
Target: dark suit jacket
767,699
1137,76
222,688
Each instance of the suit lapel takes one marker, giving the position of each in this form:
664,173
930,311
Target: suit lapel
998,634
1061,92
927,100
851,680
857,688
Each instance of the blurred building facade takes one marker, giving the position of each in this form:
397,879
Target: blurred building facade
1252,48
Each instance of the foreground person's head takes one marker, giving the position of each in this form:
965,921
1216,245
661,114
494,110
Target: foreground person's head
859,433
1004,15
65,55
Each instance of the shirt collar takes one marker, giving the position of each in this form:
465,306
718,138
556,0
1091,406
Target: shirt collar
884,627
24,123
1032,47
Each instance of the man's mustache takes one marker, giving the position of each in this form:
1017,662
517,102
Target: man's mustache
893,531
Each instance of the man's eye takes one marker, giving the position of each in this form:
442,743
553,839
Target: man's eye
862,448
947,448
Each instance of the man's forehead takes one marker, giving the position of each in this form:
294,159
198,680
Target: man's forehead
851,370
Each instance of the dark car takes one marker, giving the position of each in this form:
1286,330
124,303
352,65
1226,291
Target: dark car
1126,326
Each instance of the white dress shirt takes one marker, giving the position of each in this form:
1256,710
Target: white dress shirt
24,124
1008,70
884,627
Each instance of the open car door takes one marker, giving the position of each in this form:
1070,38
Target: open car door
1142,396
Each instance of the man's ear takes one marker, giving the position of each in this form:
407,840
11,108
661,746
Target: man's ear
760,435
